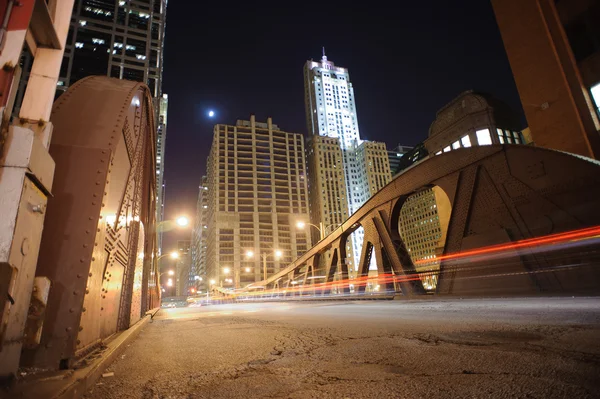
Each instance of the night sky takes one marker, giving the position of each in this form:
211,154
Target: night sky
405,64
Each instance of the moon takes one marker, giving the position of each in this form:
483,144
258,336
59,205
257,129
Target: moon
211,113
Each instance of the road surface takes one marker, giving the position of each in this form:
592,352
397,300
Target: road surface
460,348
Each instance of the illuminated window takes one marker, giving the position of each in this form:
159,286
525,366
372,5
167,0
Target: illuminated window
596,95
447,149
456,145
466,141
483,137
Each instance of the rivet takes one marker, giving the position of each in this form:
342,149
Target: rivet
81,260
87,232
83,310
91,218
78,341
93,258
101,308
85,245
80,328
90,274
68,329
75,293
71,310
93,203
79,275
87,291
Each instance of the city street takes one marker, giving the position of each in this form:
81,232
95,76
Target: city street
454,348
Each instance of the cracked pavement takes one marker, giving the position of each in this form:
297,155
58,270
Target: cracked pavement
452,348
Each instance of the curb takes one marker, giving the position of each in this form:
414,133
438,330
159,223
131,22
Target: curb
77,382
77,388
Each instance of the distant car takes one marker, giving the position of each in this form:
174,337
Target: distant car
174,302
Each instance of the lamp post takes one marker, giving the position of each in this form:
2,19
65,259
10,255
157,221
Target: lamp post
277,254
322,229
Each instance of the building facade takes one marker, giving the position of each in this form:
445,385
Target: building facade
395,157
331,112
257,192
182,270
473,119
199,232
554,51
161,138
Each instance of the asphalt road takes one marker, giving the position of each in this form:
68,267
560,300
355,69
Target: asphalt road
470,348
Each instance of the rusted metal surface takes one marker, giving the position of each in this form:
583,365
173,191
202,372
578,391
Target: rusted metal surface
497,194
94,243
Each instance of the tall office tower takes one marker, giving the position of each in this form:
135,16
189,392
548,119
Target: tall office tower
183,266
161,138
256,194
395,157
198,250
331,112
373,171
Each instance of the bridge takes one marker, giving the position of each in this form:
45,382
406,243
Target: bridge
511,210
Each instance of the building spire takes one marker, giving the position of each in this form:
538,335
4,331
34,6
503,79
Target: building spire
324,56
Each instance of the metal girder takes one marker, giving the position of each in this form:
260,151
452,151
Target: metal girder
497,194
94,248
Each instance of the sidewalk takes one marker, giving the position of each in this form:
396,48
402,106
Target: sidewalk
72,384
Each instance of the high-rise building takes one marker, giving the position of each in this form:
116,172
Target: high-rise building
161,138
395,157
331,112
554,50
182,271
199,233
329,207
257,192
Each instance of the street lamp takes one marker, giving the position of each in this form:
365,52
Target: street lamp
166,225
322,229
182,221
277,254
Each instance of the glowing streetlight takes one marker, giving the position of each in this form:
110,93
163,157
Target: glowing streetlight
226,270
249,254
300,225
171,273
212,282
170,282
182,221
247,270
174,255
278,253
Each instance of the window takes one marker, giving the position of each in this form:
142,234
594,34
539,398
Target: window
447,149
596,96
466,141
456,145
483,137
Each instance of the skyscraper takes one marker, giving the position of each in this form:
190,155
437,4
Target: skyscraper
331,112
199,233
161,138
256,194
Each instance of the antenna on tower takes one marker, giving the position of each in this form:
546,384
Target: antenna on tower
324,56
